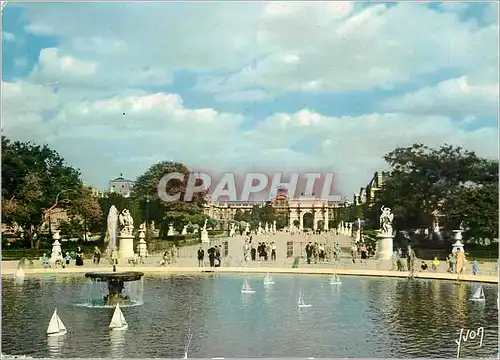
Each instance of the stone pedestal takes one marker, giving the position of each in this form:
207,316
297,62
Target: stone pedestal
126,246
204,236
384,246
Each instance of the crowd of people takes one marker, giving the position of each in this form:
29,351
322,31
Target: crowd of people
214,256
362,251
263,251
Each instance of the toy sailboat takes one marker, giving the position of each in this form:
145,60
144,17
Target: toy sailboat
56,326
246,288
478,294
335,280
268,280
186,349
301,302
118,321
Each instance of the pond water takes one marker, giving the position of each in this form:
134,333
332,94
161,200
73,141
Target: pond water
363,317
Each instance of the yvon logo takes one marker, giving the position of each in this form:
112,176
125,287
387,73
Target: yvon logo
250,186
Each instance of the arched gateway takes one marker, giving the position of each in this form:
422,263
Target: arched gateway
303,210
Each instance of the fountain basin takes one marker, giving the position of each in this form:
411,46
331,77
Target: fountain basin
113,276
116,284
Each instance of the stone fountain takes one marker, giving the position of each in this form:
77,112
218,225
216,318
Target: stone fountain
116,280
116,284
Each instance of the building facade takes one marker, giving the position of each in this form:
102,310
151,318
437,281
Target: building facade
299,213
121,186
367,194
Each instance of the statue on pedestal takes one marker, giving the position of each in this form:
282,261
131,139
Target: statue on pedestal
126,223
170,231
386,220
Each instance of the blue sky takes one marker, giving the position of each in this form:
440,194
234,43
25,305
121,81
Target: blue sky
240,86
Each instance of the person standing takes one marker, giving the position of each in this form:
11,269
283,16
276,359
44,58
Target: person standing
114,257
217,261
67,258
211,256
337,251
460,263
173,254
201,256
273,251
97,255
309,252
253,251
354,250
79,257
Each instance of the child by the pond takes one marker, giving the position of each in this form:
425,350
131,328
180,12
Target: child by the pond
475,267
67,258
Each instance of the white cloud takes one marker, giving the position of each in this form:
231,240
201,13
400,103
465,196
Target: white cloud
7,36
104,137
336,46
242,96
95,105
376,47
455,97
56,66
454,6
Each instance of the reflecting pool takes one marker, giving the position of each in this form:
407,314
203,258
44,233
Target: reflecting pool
363,317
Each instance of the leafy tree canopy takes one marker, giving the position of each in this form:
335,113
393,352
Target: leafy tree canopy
455,182
34,179
178,212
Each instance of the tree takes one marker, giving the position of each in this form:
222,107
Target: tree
266,213
86,207
34,179
177,212
449,180
121,203
212,223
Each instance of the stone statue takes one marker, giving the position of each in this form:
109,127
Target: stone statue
386,220
111,231
142,227
205,224
184,230
126,223
170,231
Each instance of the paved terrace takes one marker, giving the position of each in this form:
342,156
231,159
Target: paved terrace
187,262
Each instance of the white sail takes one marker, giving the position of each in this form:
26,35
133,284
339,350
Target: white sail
246,288
268,279
118,321
56,326
335,280
478,294
301,302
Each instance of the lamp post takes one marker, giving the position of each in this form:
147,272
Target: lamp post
147,211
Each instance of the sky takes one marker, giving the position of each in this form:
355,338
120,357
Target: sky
249,86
